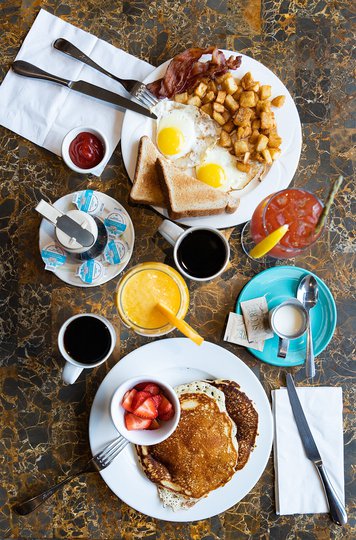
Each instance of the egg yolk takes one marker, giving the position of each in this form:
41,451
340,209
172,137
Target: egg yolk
170,141
212,174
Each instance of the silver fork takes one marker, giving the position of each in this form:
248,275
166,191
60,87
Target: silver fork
137,89
97,463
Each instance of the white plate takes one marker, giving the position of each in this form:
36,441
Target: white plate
279,176
67,271
178,361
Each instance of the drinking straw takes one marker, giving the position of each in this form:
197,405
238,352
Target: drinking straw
329,201
182,326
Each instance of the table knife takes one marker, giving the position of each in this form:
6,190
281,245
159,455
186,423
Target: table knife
29,70
337,509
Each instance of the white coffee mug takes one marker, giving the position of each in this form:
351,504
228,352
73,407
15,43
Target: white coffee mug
175,234
72,369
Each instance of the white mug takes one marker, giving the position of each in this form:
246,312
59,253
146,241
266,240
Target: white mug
175,234
72,369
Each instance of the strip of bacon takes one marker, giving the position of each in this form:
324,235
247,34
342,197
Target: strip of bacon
185,69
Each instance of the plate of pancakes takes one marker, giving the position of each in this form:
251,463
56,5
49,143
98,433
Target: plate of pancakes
276,177
221,445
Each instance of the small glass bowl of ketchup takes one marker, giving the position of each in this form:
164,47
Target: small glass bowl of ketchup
84,149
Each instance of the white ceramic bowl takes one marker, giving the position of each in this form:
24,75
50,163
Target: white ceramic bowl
71,136
144,437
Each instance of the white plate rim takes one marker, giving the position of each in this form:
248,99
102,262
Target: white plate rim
278,177
227,366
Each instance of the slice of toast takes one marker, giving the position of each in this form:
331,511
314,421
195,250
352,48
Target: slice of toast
188,197
146,188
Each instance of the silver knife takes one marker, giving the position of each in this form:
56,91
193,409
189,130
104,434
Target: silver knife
29,70
337,509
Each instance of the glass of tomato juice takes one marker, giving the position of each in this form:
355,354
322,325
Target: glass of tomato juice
296,207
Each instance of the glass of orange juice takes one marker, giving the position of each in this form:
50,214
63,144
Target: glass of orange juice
139,291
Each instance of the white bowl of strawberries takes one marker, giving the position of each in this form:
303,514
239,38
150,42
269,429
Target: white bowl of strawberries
145,410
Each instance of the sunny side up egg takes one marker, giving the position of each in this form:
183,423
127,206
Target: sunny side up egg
184,133
218,169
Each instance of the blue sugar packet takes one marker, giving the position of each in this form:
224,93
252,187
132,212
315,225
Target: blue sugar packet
116,251
90,271
53,256
88,201
116,223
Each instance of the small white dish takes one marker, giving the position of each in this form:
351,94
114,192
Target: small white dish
144,437
71,135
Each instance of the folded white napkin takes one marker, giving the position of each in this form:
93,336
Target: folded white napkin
44,112
298,488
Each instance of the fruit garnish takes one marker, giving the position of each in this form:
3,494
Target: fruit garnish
168,415
154,425
147,409
157,399
128,399
139,399
141,386
133,422
152,388
165,408
268,243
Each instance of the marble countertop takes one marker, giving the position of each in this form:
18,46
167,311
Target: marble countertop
44,424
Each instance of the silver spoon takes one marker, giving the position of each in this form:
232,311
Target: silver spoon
307,294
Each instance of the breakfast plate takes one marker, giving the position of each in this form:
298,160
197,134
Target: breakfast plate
278,177
67,272
279,284
178,361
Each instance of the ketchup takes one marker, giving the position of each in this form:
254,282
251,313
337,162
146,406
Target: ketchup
86,150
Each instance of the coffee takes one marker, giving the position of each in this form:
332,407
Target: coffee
87,340
202,253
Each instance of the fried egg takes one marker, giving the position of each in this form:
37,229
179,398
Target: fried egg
219,169
184,133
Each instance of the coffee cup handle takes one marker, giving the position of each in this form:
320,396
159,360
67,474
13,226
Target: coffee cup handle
170,231
283,344
70,373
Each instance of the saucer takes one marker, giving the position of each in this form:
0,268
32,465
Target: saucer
67,272
279,284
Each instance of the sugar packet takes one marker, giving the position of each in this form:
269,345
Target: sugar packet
255,314
236,333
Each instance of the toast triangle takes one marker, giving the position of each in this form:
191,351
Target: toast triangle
146,187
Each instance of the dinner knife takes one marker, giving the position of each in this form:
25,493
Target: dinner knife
29,70
337,509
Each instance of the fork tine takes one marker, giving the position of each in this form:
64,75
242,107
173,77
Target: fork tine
116,450
150,97
143,98
101,454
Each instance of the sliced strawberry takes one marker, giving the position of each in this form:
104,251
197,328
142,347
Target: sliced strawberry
152,389
165,407
168,415
128,399
141,386
157,400
154,425
147,409
140,397
134,422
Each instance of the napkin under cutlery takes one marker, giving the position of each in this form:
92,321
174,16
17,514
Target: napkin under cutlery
44,112
298,488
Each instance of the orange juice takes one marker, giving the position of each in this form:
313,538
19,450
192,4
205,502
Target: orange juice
139,291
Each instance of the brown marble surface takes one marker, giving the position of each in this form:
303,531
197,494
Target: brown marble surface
44,425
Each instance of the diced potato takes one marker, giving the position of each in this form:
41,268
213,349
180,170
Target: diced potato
256,124
218,107
225,139
243,167
266,154
247,99
212,86
194,100
181,98
274,141
226,115
240,147
257,156
238,92
229,126
222,78
243,132
207,108
247,81
266,120
231,103
218,117
256,87
242,117
230,85
262,142
266,106
278,101
209,96
220,98
201,89
265,91
247,157
275,153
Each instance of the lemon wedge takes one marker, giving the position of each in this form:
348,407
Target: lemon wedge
269,242
180,324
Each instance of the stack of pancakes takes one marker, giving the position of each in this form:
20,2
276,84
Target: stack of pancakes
214,438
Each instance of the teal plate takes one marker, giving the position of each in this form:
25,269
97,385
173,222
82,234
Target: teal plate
278,284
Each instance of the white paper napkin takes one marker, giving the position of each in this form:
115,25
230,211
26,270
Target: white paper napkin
297,485
44,112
